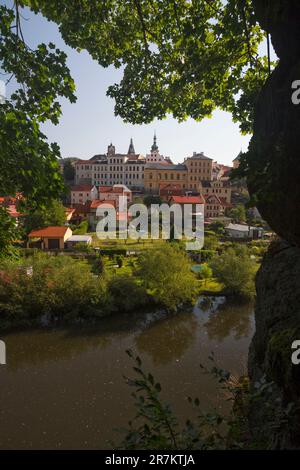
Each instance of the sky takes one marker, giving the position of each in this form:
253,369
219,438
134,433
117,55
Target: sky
87,127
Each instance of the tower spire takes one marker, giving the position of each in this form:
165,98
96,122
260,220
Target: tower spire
154,147
131,150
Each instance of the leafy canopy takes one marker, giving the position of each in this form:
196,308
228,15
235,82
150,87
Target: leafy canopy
183,57
179,57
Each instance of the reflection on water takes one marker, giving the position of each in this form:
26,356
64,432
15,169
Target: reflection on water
167,341
230,320
64,388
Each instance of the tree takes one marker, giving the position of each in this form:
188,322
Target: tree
29,164
167,274
237,214
152,199
52,214
205,272
236,270
69,170
218,227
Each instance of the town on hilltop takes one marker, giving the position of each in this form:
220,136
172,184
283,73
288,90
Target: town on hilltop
103,178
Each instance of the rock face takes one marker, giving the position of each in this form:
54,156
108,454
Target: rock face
273,178
277,326
273,158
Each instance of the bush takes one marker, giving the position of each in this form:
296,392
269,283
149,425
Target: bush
205,272
166,273
207,255
82,228
125,294
236,270
59,288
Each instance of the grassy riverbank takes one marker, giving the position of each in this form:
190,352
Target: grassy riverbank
63,289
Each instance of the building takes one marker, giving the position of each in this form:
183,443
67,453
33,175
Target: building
114,193
199,168
112,168
215,206
83,193
51,238
239,231
83,172
166,191
92,213
182,200
219,187
237,160
155,157
75,240
158,173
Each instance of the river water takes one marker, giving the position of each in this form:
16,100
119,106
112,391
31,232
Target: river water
64,388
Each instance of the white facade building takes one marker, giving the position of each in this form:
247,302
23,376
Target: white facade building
82,193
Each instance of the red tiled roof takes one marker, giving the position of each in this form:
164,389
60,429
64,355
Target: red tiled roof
49,232
97,202
82,187
217,200
188,199
81,208
83,162
111,189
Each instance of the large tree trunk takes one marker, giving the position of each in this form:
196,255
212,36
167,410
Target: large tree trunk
274,182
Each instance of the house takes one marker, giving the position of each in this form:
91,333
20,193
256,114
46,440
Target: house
182,200
81,194
239,231
92,215
69,211
194,201
51,238
79,239
115,193
219,187
166,191
215,206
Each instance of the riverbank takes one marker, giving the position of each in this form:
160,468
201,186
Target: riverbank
43,290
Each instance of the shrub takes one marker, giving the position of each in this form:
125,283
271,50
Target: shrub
236,270
82,228
166,273
59,288
125,294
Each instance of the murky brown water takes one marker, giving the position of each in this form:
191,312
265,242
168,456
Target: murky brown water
64,388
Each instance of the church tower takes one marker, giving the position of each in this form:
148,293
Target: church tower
131,150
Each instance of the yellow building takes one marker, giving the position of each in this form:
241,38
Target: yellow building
156,174
200,168
220,188
51,238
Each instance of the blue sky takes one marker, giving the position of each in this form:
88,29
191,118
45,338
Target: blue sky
89,125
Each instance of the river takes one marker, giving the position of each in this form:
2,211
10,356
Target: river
63,388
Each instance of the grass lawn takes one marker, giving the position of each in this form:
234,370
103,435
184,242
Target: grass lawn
129,244
128,266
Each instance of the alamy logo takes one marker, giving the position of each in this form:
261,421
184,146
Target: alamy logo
296,354
178,221
2,92
2,353
296,93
